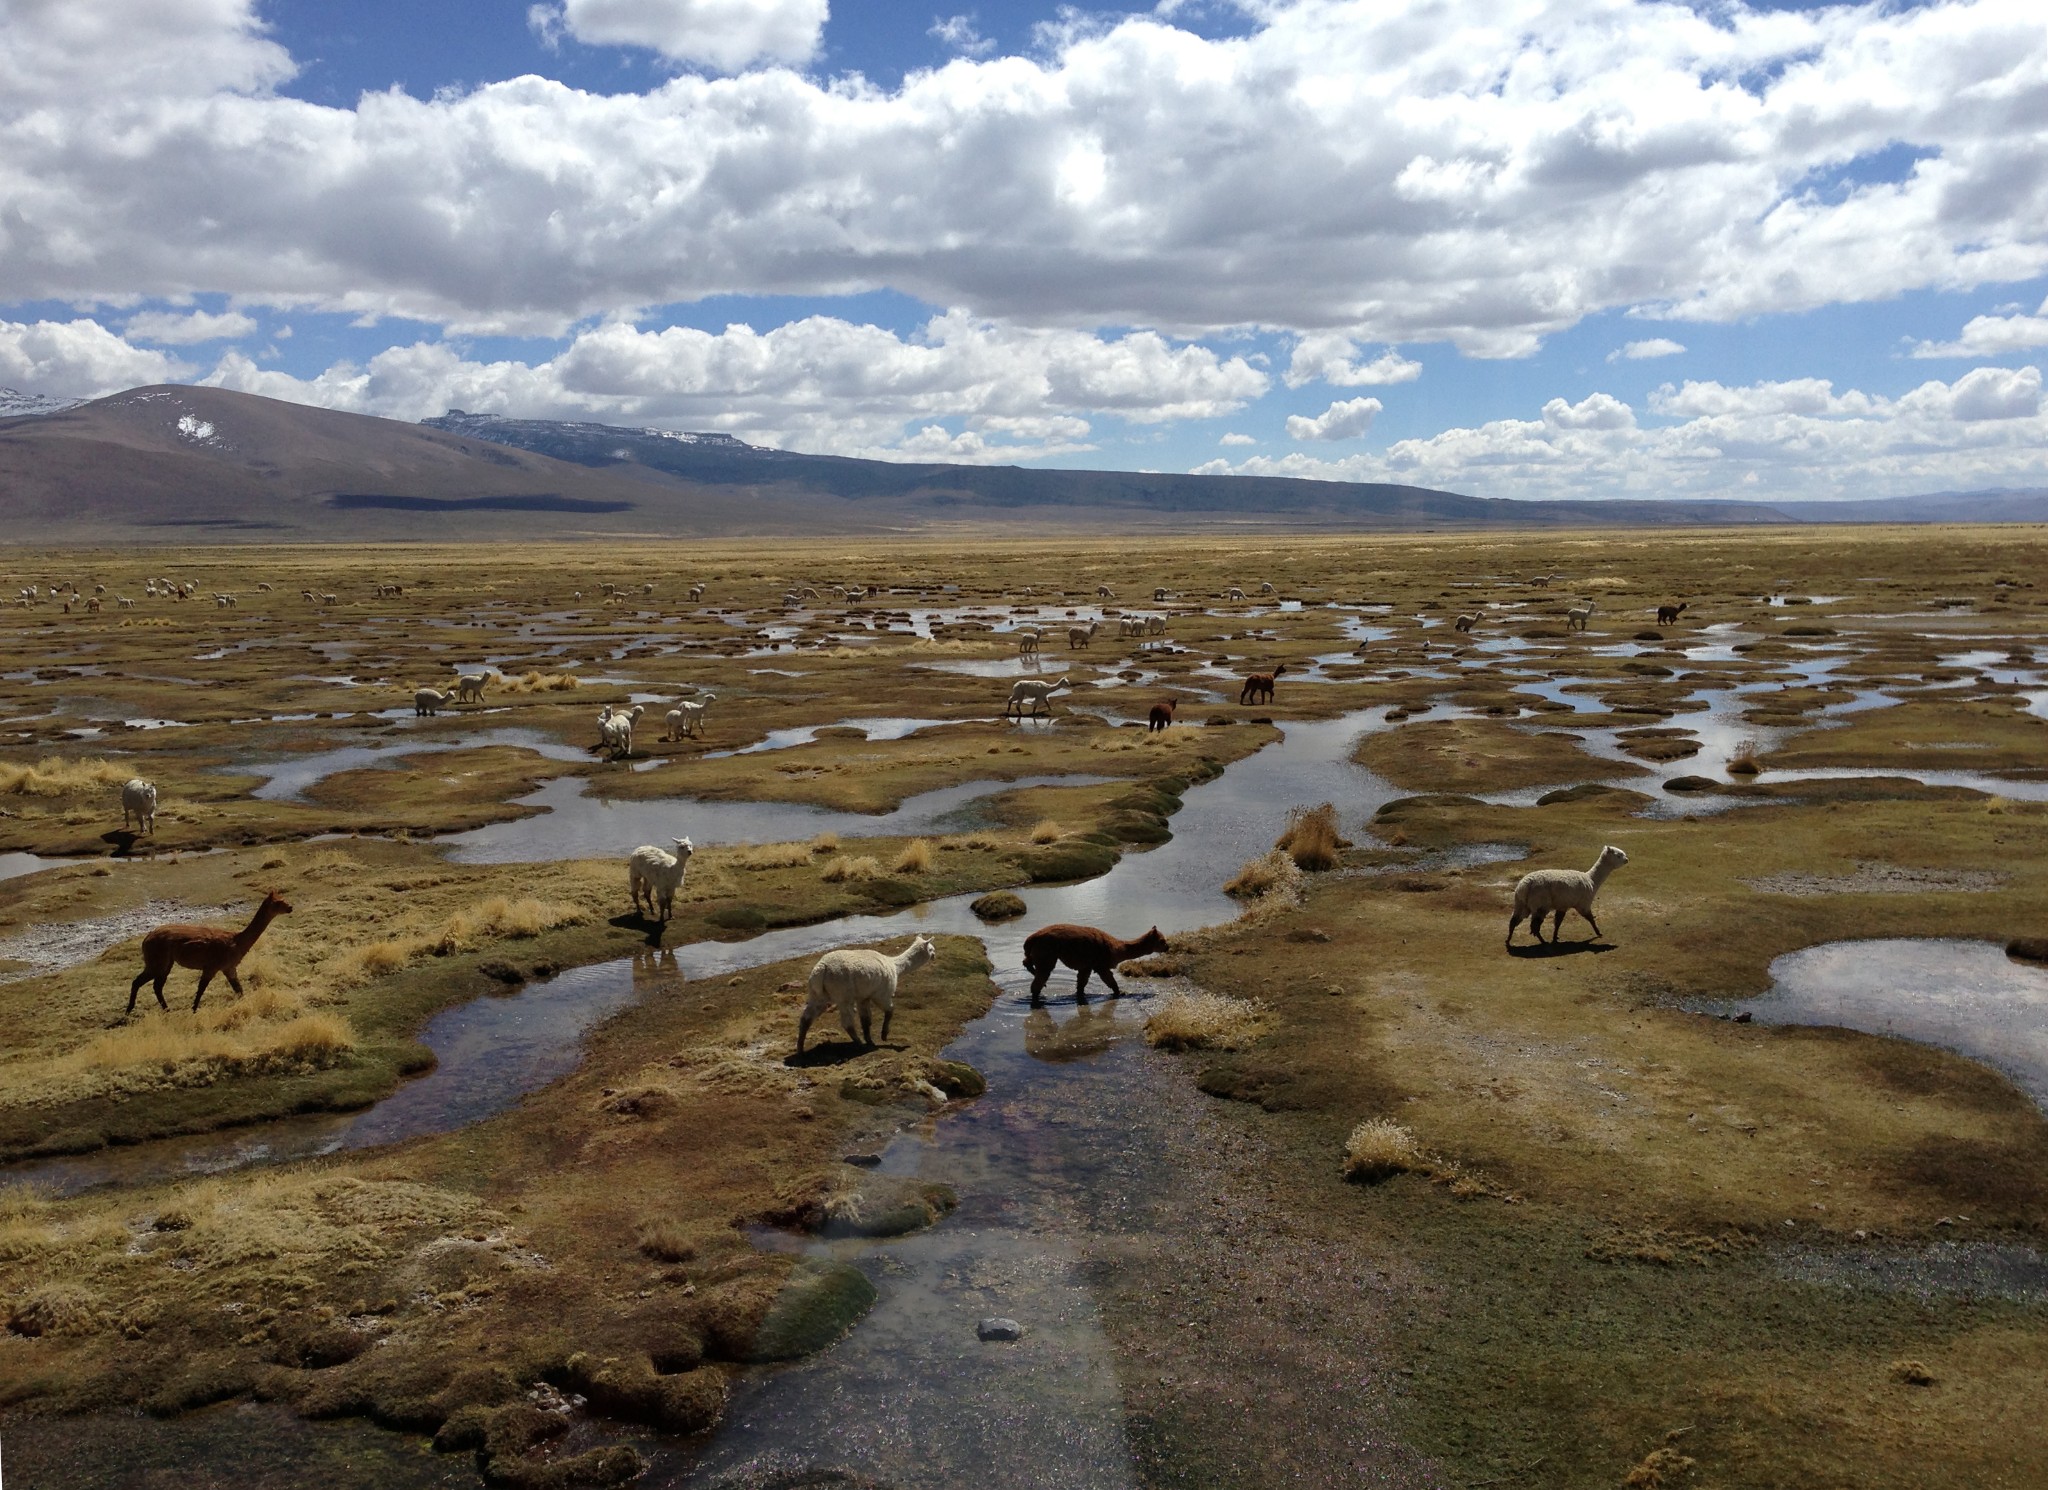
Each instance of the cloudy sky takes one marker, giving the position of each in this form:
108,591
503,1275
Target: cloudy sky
1508,247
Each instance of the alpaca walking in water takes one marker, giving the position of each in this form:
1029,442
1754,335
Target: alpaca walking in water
1086,949
208,949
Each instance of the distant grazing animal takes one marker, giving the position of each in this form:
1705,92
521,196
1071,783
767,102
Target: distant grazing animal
1130,626
1162,715
138,800
427,700
1037,694
263,585
1104,592
1155,625
206,949
1080,636
1161,595
1544,892
696,592
469,687
656,874
1666,614
92,606
1258,688
687,718
1266,588
1085,949
859,981
1466,623
1577,616
1027,643
1233,593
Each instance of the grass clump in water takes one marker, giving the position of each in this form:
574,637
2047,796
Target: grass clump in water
1744,761
1271,874
997,905
1311,838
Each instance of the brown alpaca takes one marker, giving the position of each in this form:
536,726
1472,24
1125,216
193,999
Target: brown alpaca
1666,614
1258,688
1162,715
1087,949
210,949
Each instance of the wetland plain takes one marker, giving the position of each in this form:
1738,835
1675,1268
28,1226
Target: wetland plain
487,1179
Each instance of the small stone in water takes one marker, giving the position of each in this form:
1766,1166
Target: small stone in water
865,1161
999,1329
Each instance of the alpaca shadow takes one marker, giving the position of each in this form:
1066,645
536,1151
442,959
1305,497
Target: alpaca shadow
835,1053
635,921
123,840
1558,949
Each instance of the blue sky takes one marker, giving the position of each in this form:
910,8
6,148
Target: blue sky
1512,247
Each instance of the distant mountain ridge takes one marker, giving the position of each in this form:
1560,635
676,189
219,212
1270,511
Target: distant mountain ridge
156,463
958,491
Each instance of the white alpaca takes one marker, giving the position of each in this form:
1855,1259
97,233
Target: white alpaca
1080,636
859,981
1575,619
687,718
696,592
427,700
656,875
1027,643
1266,588
1131,626
1104,592
1233,593
469,687
615,730
1155,625
1546,892
1039,695
138,800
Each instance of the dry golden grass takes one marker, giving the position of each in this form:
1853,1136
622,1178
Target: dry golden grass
497,917
1201,1020
773,856
539,682
665,1239
916,857
1271,874
1380,1148
260,1032
866,867
1744,761
1045,830
1311,837
54,776
825,843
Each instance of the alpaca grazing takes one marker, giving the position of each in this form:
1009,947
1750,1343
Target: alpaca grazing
1466,623
1258,688
426,700
1552,892
1162,715
859,981
1085,949
1666,614
208,949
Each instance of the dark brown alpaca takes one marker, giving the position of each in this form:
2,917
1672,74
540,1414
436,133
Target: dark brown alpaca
1258,688
1087,949
210,949
1666,614
1162,715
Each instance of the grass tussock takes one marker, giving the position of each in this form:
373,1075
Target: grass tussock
497,918
1200,1020
1270,876
238,1038
773,856
1380,1148
1311,838
539,682
825,843
1744,761
665,1239
844,868
1045,830
54,776
916,858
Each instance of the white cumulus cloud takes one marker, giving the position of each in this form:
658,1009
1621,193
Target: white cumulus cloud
1346,419
77,359
726,35
820,384
1992,336
1333,358
1233,438
171,329
1656,346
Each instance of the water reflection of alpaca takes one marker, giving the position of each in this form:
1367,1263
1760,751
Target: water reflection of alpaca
1092,1030
651,963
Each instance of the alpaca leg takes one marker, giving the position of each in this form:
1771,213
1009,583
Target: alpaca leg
867,1019
135,989
204,979
1039,977
887,1015
1109,977
1081,987
1591,922
233,982
848,1023
1514,920
161,979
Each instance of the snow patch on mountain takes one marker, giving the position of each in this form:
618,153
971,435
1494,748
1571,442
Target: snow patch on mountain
14,404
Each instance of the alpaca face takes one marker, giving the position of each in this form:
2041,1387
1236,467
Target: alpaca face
683,848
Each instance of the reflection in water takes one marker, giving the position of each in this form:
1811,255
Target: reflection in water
1964,995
